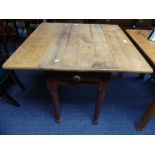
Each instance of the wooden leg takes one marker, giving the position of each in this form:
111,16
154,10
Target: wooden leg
52,86
146,117
101,92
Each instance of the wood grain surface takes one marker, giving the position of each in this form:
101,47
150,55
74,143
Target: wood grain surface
78,47
147,46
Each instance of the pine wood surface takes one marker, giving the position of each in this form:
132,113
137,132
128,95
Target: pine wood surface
147,46
78,47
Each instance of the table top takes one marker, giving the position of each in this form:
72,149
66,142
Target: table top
147,46
78,47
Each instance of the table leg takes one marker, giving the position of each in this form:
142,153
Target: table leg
146,117
101,93
52,86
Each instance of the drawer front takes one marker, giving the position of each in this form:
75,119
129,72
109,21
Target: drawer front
77,76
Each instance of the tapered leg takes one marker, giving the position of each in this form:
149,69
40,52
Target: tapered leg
101,92
51,84
146,117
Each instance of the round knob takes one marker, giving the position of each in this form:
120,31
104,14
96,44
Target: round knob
76,78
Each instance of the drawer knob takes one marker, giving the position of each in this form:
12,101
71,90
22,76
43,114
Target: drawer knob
76,78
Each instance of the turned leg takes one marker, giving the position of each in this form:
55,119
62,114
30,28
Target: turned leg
146,117
52,86
101,92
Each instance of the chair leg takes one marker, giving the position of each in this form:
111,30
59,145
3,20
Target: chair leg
10,35
16,80
16,28
146,117
9,97
28,28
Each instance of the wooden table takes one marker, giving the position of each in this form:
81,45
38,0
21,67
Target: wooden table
148,49
78,53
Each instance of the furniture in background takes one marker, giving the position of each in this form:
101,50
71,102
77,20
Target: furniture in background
147,48
29,25
145,118
123,23
126,23
6,34
66,20
78,53
6,76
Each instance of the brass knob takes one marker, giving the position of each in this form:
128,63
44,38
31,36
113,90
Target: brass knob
76,78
